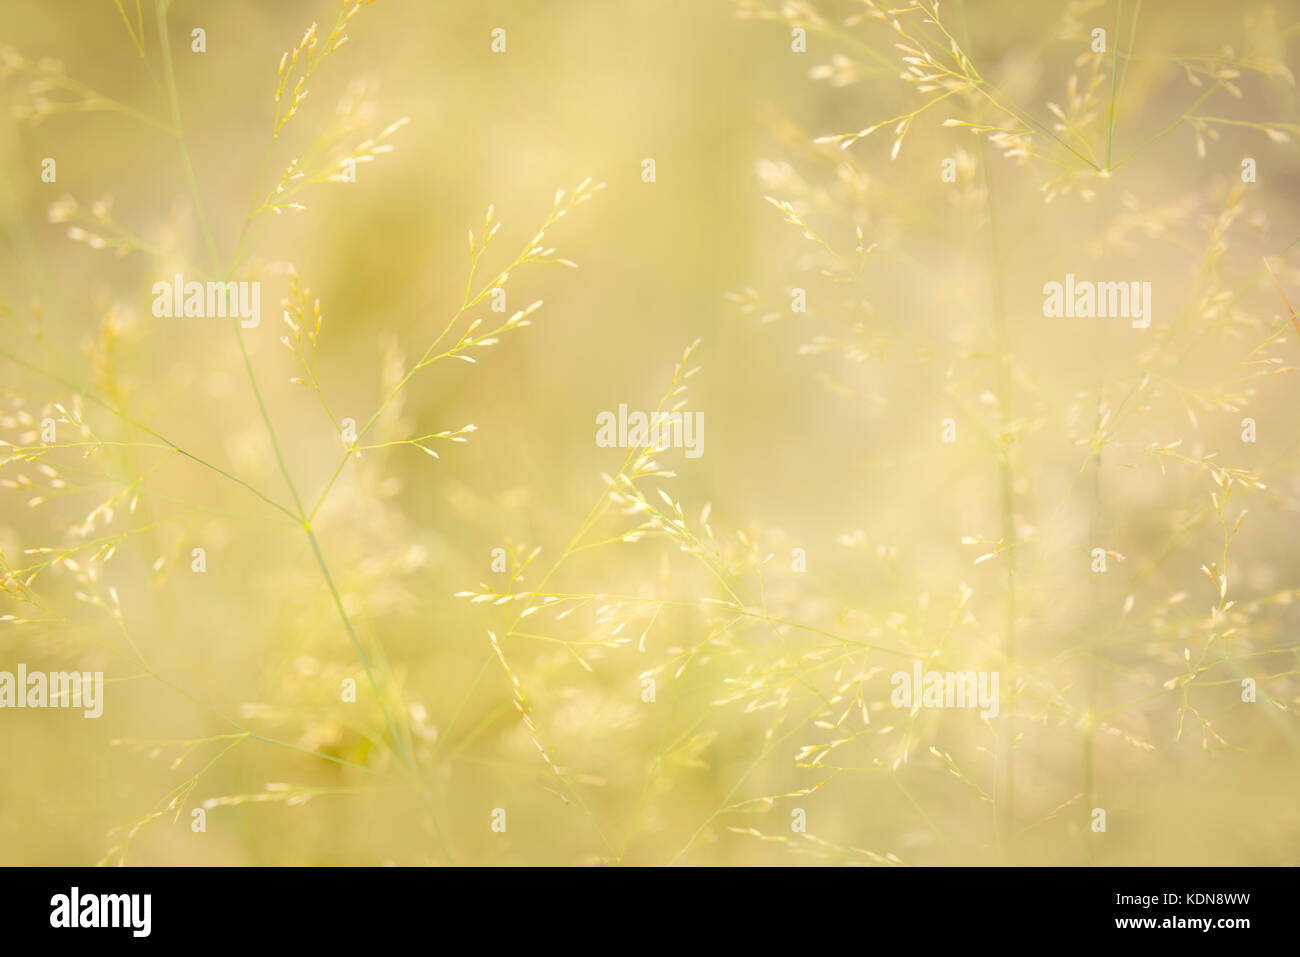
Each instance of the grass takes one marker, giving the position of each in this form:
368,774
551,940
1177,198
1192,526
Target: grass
647,677
305,58
935,64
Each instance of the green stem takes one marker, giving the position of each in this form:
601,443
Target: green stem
1114,76
173,96
301,516
91,397
356,644
266,419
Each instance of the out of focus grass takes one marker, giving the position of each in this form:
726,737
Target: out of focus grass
823,433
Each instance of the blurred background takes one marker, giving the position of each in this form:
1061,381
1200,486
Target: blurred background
836,528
